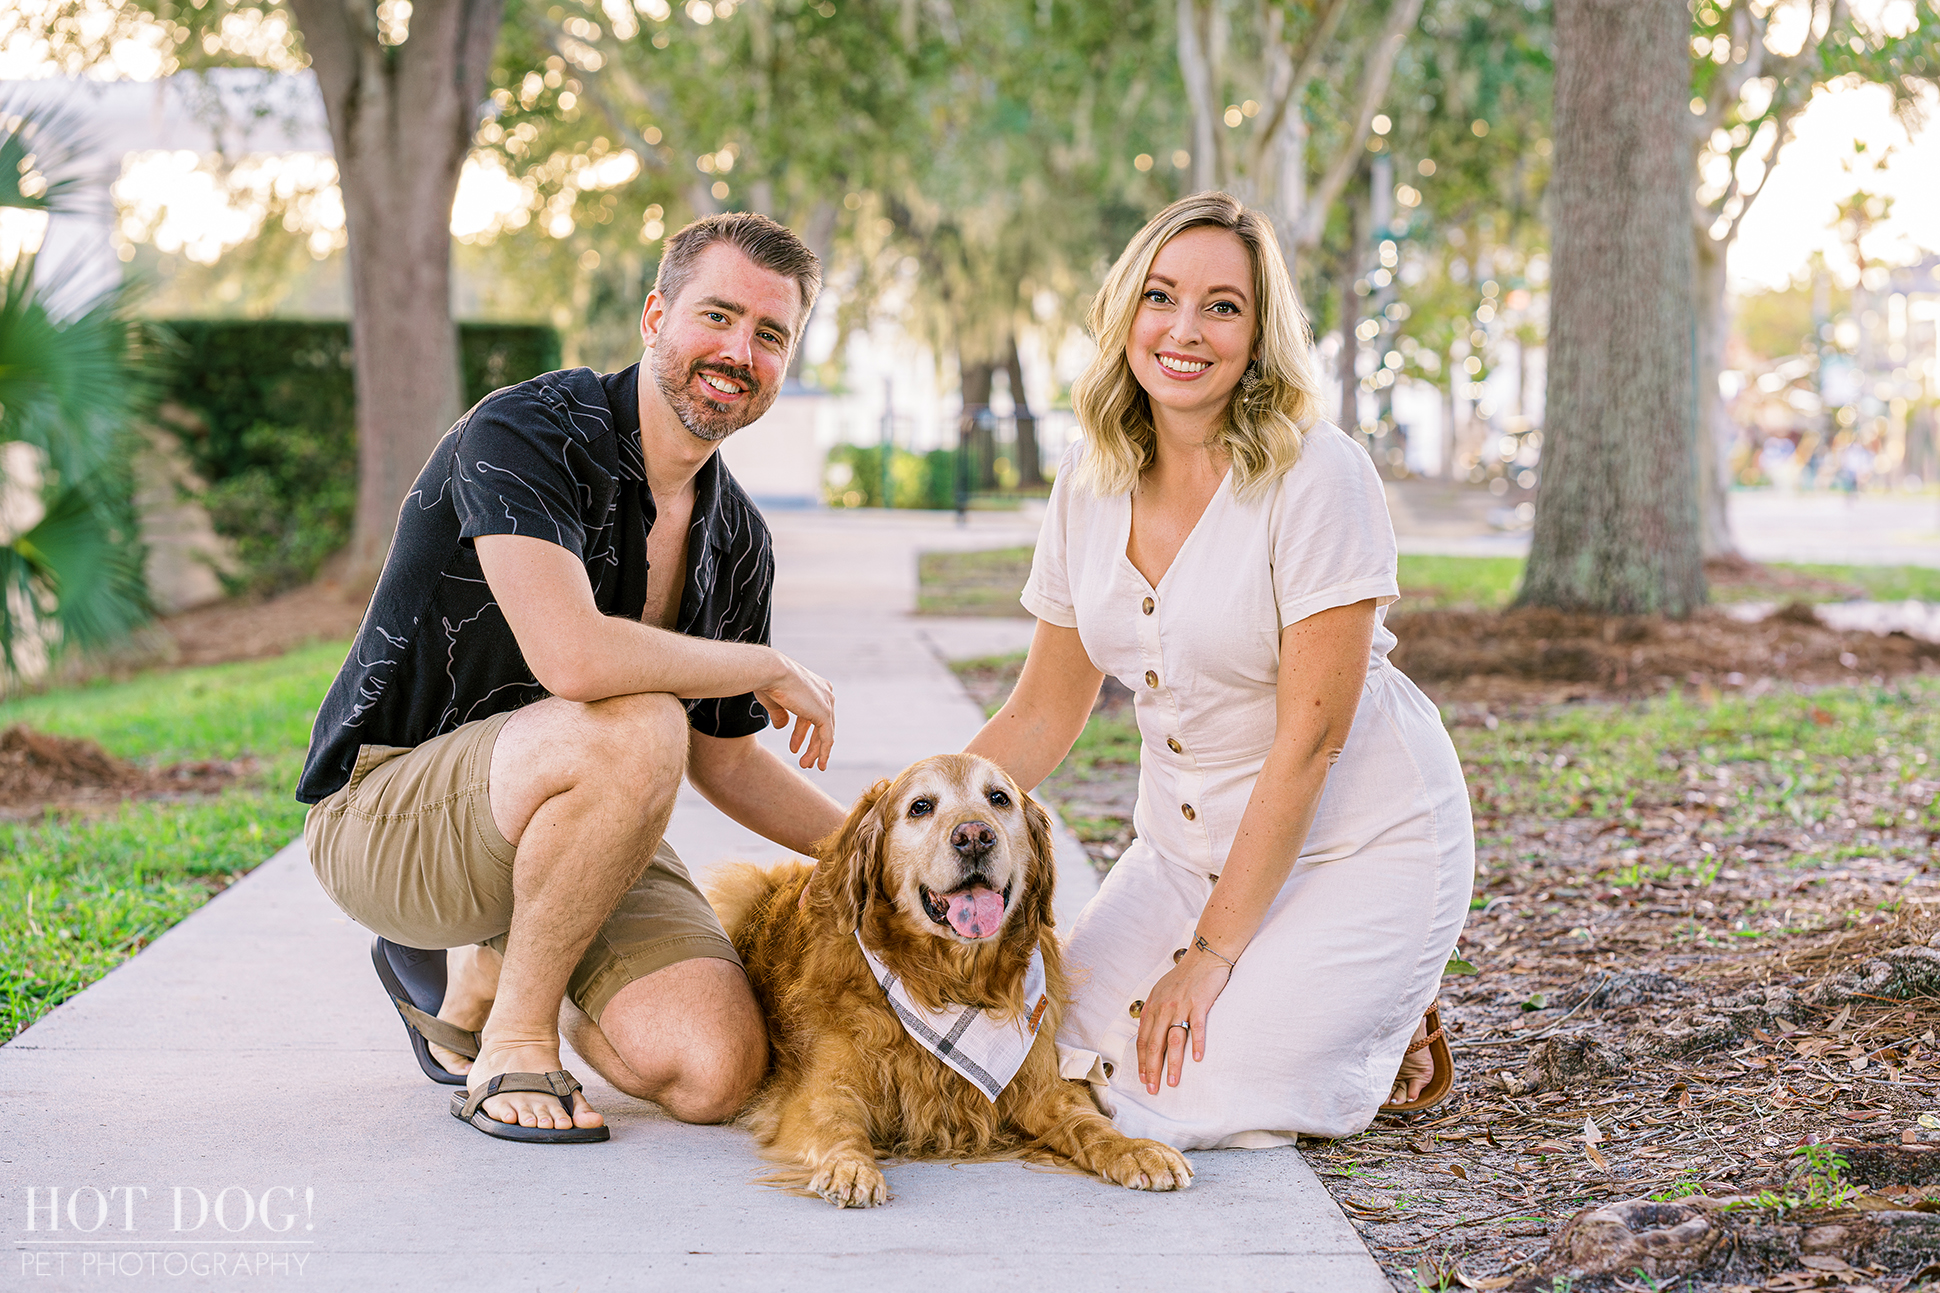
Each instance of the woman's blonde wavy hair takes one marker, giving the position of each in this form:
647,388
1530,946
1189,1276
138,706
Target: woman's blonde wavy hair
1263,428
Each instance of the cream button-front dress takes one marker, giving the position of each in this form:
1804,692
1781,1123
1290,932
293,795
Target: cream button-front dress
1311,1028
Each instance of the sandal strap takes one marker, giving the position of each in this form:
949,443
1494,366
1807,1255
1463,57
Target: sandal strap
558,1083
433,1029
1429,1040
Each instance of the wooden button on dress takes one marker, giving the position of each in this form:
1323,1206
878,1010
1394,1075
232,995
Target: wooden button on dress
1187,810
1151,678
1172,744
1148,605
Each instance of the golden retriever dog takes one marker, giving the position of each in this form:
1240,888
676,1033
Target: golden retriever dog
946,872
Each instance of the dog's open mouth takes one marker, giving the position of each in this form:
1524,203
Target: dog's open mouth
974,911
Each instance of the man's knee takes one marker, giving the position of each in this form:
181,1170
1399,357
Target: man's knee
719,1077
641,739
707,1067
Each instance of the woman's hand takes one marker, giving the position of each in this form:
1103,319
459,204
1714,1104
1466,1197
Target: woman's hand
1184,995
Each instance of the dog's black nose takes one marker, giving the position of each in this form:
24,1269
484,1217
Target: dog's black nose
973,839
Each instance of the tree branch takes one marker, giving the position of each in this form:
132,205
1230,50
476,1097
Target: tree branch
1299,70
1374,88
594,86
332,37
1195,66
1783,121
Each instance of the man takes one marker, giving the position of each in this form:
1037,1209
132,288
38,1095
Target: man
498,758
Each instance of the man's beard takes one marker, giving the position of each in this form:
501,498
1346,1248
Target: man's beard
703,418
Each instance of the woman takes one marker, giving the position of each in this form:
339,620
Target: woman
1304,854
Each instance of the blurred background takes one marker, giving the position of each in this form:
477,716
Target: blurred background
968,169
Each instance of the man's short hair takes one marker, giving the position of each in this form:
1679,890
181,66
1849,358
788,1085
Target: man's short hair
772,246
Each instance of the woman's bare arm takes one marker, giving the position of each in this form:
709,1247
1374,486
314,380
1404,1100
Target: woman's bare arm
1323,666
1046,711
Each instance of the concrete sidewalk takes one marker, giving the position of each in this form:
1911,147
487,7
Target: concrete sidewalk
1433,518
248,1059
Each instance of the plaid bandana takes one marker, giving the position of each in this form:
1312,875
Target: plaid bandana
981,1049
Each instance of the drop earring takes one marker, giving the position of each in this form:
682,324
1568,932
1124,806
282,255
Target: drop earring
1249,380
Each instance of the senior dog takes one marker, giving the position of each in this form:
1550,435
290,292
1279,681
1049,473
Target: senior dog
928,916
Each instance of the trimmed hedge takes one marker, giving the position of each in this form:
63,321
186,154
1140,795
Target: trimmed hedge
915,480
274,431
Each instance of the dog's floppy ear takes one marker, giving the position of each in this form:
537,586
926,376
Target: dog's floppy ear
849,863
1042,872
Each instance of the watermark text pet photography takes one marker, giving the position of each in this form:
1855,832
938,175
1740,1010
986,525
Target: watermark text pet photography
130,1230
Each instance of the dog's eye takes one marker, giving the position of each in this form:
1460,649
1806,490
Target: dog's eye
922,808
998,798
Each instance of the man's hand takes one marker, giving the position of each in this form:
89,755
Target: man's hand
809,699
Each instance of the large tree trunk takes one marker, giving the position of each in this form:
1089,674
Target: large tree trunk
976,431
1714,420
1350,314
1030,470
1617,516
401,119
1449,469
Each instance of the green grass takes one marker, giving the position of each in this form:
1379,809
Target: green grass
1447,582
81,894
1789,759
972,583
1881,583
987,583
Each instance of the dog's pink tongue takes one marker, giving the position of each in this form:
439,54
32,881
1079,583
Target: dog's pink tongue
976,912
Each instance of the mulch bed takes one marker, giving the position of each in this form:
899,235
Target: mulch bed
1701,1050
39,771
1621,1043
255,629
1470,659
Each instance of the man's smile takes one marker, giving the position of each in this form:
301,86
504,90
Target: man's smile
724,389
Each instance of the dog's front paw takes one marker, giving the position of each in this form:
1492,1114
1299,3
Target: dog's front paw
1146,1165
851,1183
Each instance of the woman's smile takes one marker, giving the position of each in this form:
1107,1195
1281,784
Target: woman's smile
1182,367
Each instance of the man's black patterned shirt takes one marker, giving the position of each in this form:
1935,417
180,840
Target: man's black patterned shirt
557,458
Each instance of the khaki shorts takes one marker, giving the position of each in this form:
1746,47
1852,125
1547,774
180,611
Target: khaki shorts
409,850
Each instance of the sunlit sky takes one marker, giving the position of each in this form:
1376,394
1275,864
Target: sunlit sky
1796,213
178,204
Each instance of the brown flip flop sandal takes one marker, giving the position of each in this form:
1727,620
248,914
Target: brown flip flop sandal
467,1108
414,978
1443,1079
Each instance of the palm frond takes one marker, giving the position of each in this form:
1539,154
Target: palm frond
67,387
45,154
73,571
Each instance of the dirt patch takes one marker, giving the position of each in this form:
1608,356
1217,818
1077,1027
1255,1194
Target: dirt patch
1541,656
246,629
40,771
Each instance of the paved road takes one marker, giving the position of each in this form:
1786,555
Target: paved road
249,1052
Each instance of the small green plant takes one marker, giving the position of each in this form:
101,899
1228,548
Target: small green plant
1443,1280
1825,1177
1823,1183
1561,1284
1681,1190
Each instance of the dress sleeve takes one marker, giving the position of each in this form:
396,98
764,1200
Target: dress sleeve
1333,544
1047,593
514,472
